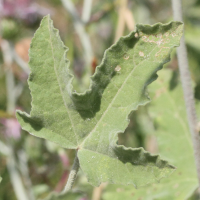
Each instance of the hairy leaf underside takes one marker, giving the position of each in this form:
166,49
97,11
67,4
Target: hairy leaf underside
90,122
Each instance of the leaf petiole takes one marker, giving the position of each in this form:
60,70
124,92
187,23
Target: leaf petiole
72,175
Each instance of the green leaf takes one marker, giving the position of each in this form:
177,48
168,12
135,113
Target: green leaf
90,122
174,143
0,179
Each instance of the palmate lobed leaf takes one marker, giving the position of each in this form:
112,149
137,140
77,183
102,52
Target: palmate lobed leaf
90,122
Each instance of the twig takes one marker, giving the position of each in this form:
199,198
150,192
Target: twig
80,29
187,88
4,149
72,175
97,192
125,17
11,102
7,56
87,5
18,90
25,172
15,177
121,19
20,62
129,19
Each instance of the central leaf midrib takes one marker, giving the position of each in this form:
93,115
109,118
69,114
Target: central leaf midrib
73,128
114,98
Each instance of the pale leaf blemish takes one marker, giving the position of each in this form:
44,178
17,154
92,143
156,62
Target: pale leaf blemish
140,33
166,34
136,35
167,40
117,68
159,35
163,51
126,56
141,53
173,34
144,37
119,189
159,42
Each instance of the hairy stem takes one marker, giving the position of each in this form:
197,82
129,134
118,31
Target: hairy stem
15,177
23,166
87,6
187,88
72,175
80,29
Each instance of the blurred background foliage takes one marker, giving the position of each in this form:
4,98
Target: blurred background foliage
38,167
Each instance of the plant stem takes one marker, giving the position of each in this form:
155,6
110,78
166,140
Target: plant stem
80,29
87,6
23,166
15,177
121,19
20,62
187,88
72,175
4,149
97,191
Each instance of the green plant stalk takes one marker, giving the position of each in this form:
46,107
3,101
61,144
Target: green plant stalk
187,88
87,6
72,175
11,101
80,30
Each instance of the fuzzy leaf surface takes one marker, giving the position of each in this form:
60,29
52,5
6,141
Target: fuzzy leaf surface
90,122
167,109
